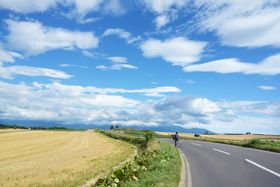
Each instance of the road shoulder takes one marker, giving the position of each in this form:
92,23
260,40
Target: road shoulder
186,179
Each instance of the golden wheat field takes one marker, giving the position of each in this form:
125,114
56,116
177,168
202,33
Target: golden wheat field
57,158
226,136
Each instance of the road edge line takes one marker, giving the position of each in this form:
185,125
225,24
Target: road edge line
185,166
262,167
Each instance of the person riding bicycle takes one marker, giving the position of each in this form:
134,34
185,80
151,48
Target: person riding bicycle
176,138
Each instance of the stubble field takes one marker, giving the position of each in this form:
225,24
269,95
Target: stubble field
57,158
233,137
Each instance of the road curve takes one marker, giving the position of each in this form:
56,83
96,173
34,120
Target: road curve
221,165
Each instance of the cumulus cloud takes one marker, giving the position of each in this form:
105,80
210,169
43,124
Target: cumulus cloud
83,7
268,66
39,102
70,103
78,9
32,38
28,6
91,105
241,23
178,51
252,107
161,20
165,10
123,34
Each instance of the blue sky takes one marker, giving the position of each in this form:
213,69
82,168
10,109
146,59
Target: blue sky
191,63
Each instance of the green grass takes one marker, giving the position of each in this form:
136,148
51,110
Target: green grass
265,144
157,164
164,169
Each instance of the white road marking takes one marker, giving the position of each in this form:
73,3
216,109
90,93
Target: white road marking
221,151
197,144
262,167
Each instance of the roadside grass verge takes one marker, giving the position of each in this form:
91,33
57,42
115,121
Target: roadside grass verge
264,144
257,143
157,164
164,169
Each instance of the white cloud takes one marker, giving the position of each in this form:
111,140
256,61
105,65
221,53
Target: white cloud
83,7
60,103
8,56
114,7
32,38
265,87
117,59
242,124
116,67
123,34
251,23
73,65
90,105
269,66
79,9
11,71
165,10
162,20
94,90
70,104
163,5
178,51
119,63
28,6
230,65
252,107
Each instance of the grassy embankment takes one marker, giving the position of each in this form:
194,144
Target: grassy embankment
264,142
57,158
157,164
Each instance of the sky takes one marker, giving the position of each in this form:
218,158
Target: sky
211,64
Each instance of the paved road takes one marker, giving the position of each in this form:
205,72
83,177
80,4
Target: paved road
220,165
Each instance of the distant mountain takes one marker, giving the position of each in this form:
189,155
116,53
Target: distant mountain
173,128
161,128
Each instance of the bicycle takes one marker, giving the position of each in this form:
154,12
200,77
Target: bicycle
177,143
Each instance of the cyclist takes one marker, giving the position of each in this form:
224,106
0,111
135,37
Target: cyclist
176,138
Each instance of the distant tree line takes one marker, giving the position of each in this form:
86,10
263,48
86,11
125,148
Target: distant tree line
2,126
114,127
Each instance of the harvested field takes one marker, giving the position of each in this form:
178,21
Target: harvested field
57,158
241,137
11,130
226,136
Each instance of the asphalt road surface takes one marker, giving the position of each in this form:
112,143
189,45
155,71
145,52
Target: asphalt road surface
220,165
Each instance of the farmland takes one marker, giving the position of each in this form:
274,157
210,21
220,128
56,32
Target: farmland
57,158
233,137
